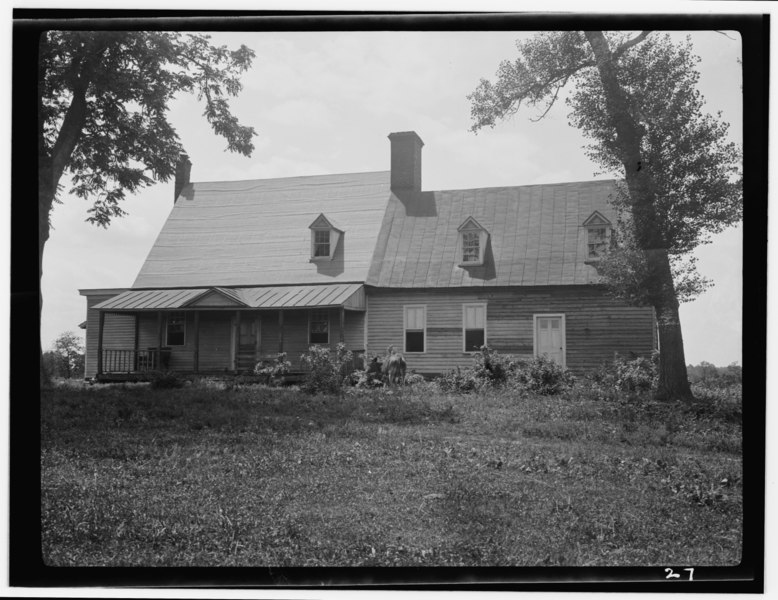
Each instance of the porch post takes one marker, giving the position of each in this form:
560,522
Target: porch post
100,328
136,343
280,330
196,359
342,323
236,348
158,362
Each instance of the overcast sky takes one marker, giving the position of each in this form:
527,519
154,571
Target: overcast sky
325,102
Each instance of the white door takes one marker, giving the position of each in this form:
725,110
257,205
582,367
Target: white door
550,338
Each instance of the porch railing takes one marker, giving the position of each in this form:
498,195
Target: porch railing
136,361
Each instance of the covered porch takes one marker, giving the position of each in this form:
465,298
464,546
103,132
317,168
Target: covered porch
218,331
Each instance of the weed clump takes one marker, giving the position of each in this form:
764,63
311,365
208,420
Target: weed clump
273,371
327,370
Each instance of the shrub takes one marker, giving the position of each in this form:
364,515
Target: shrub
457,380
492,368
327,371
273,370
637,375
542,376
489,369
165,381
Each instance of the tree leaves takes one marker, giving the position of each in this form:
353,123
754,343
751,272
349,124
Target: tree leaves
127,79
694,169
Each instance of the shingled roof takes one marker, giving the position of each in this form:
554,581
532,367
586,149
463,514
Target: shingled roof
535,236
254,233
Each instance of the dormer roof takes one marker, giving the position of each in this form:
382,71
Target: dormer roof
596,220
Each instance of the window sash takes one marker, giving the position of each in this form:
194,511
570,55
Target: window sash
597,241
319,327
175,330
471,246
321,242
473,327
415,326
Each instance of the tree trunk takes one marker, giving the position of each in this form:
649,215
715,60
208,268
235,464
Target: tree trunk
673,380
51,166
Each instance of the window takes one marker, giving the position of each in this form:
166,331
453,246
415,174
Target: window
597,242
473,240
321,243
473,326
471,247
319,327
325,236
598,233
415,325
176,329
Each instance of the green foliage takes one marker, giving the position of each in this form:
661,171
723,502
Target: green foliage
543,375
104,99
708,375
273,370
654,114
327,370
66,358
490,369
132,476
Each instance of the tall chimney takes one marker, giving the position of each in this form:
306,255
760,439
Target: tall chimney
183,170
406,161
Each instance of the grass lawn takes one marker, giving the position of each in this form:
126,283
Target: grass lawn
256,476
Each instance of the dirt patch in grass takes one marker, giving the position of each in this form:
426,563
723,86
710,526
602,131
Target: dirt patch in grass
257,476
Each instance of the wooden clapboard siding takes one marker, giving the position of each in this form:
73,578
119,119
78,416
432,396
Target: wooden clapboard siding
93,325
597,326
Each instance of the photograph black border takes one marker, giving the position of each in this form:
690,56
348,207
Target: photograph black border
26,568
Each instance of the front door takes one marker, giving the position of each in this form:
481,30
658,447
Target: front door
248,341
550,337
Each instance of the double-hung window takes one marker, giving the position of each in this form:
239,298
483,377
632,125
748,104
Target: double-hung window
415,328
319,327
473,327
597,242
176,329
321,243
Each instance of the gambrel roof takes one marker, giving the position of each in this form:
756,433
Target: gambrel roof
536,236
249,234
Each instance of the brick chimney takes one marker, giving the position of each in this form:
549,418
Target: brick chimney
183,170
406,161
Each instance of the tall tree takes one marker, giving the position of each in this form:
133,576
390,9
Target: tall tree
636,98
68,350
103,101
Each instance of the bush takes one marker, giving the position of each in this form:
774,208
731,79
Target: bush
165,381
327,371
542,376
273,370
457,380
637,375
492,368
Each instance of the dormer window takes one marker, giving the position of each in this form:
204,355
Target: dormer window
324,238
321,243
598,234
472,245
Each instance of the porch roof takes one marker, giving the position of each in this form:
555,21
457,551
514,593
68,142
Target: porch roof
349,295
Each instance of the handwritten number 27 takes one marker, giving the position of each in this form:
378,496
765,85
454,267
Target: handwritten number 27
672,575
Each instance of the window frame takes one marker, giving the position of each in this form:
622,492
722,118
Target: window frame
311,312
605,240
471,226
405,328
464,324
315,244
170,317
